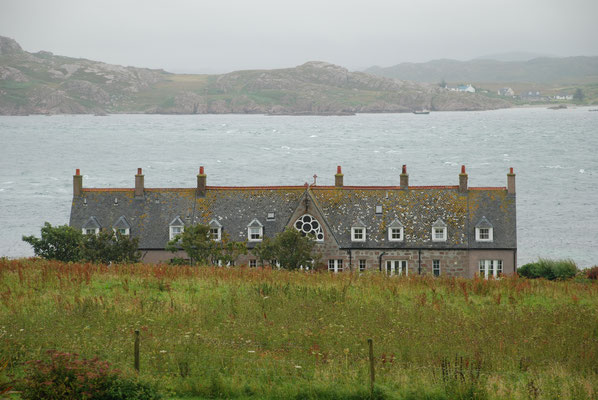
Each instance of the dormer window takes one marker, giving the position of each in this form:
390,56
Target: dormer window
358,231
484,232
215,230
176,227
255,231
395,231
439,231
122,226
91,227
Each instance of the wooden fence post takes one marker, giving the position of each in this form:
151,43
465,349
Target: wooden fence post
372,372
137,350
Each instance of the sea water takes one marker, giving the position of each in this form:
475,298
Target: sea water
553,152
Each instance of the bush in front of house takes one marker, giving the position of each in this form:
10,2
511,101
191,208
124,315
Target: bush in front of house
549,269
65,376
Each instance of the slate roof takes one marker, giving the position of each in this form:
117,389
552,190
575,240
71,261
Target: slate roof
416,209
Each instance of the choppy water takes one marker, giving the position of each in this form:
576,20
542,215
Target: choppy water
553,153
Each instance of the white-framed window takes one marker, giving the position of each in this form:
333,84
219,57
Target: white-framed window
490,268
252,263
436,267
395,234
358,234
484,234
255,231
378,209
176,230
122,231
335,265
91,231
362,265
215,230
439,234
396,267
439,231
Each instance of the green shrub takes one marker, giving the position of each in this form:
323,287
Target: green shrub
549,269
65,376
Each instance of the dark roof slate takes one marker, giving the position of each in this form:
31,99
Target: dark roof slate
235,209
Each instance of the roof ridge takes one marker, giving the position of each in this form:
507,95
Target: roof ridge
302,187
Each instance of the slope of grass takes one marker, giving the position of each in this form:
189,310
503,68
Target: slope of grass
253,333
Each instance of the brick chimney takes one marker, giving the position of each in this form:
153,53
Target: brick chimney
77,183
139,187
511,181
201,182
404,178
338,178
463,180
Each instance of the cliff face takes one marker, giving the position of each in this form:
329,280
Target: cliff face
43,83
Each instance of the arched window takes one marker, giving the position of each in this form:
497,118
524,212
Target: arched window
307,224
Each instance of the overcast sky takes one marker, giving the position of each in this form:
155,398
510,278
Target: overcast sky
227,35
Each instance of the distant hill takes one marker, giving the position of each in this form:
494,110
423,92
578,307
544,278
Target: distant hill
514,56
567,70
44,83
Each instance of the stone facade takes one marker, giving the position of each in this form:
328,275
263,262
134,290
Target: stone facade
439,225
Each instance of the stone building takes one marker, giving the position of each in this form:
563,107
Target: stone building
400,230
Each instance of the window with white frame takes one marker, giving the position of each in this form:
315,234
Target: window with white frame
255,231
378,209
439,231
484,231
395,231
122,231
436,267
91,227
490,268
252,263
215,230
362,265
176,230
335,265
358,234
484,234
396,267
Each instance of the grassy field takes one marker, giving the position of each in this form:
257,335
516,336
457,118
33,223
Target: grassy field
253,333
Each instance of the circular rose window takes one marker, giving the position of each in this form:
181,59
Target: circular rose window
308,225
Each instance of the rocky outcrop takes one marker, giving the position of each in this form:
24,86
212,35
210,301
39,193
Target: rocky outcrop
43,83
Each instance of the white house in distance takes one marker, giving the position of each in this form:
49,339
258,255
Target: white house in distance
463,88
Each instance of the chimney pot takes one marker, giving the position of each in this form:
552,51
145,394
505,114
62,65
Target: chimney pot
139,183
338,178
463,180
404,178
201,182
79,171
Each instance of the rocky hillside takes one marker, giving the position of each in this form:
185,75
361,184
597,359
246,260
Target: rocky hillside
43,83
543,70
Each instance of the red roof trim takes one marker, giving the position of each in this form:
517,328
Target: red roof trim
288,187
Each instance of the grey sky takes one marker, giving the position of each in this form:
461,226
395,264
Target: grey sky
226,35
